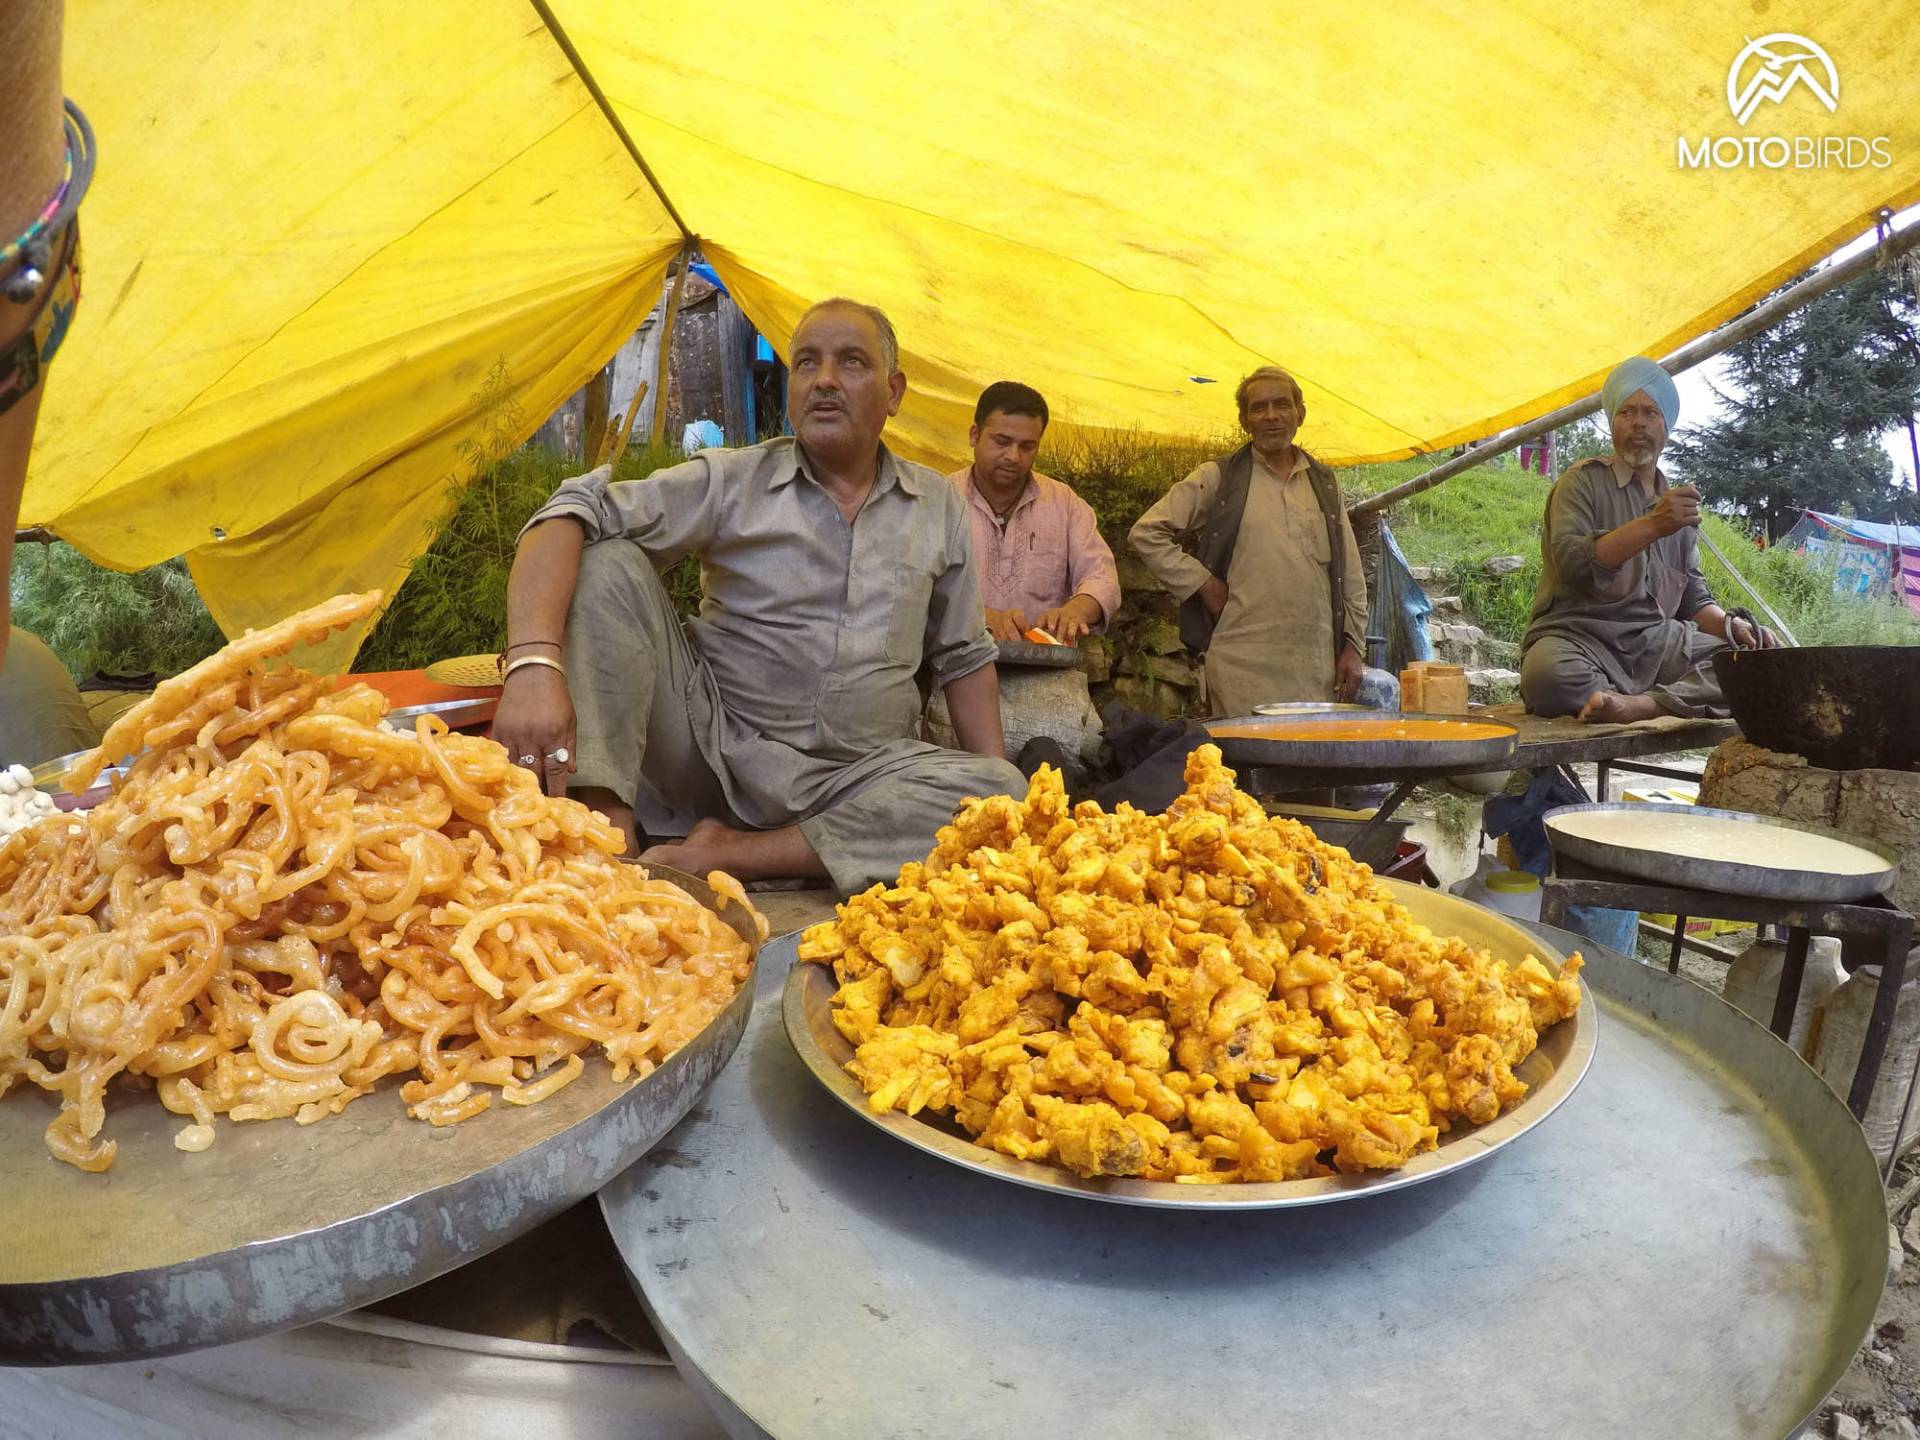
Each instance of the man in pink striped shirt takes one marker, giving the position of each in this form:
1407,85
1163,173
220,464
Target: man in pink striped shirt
1036,545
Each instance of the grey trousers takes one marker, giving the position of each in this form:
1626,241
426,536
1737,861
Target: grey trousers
651,724
1559,675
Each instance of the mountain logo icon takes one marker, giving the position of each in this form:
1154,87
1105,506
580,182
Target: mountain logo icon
1772,67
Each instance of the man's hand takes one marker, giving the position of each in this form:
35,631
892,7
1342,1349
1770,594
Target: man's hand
1347,673
1006,624
1213,595
1676,509
1070,623
535,722
1748,636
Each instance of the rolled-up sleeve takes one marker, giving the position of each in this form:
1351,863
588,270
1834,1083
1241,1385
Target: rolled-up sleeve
1090,567
670,513
1573,525
1155,536
957,642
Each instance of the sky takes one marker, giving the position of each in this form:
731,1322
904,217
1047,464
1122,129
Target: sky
1698,402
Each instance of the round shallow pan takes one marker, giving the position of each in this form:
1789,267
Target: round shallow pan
1029,654
1746,873
814,1279
1381,746
1844,707
1552,1071
279,1224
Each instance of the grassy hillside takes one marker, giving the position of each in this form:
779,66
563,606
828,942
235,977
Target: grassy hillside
1495,510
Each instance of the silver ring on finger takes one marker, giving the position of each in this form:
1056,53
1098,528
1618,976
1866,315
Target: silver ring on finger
529,760
560,756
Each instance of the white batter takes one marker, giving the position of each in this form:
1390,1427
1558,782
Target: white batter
1675,830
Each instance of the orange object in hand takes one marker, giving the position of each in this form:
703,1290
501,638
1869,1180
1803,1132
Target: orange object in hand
1040,637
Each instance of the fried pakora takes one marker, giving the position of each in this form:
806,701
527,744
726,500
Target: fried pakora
1211,995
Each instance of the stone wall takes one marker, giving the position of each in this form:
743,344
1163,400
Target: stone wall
1881,805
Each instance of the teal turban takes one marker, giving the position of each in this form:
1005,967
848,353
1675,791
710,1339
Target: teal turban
1640,373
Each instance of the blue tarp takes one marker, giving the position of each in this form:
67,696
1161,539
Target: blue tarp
1397,607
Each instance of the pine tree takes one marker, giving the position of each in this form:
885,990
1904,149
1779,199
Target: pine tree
1809,400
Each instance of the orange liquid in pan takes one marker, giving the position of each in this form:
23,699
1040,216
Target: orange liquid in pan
1386,730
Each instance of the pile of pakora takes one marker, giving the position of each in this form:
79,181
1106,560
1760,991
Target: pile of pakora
1206,996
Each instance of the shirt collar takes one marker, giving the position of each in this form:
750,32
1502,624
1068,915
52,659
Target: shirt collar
1299,464
891,471
1027,496
1623,474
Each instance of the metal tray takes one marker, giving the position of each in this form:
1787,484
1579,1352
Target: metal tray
1728,877
1694,1246
1551,1072
1025,653
1382,754
279,1224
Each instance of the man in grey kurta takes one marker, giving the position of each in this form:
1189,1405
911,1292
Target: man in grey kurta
790,700
1623,625
1274,613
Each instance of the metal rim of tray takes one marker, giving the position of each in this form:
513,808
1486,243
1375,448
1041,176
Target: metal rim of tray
1309,707
408,1212
1728,877
1389,753
1552,1073
1033,655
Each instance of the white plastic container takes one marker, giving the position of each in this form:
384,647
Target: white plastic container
1511,892
1753,983
1843,1029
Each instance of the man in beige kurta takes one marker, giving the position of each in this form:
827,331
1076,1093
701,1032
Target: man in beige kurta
1273,637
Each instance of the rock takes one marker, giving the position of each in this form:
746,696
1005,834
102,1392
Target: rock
1845,1427
1155,697
1900,1427
1499,565
1885,805
1911,1234
1502,652
1096,658
1447,605
1054,703
1162,637
1483,686
1169,669
1881,1358
1424,574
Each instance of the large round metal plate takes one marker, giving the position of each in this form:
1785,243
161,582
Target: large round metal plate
1551,1073
279,1224
1295,708
1380,748
1745,874
1693,1246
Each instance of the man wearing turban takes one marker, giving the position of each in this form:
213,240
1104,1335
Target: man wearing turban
1623,625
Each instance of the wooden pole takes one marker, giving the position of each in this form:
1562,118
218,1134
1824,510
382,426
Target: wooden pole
666,349
1743,327
617,442
593,427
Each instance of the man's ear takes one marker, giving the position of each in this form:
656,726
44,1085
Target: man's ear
973,436
897,389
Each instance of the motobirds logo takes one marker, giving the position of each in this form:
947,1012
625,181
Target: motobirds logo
1783,69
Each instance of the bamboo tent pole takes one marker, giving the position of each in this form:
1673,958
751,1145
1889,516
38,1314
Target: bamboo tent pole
1893,244
666,348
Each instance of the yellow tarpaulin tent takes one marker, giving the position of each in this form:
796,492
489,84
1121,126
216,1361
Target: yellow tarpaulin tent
328,241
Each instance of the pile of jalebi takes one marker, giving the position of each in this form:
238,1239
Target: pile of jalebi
1204,996
283,902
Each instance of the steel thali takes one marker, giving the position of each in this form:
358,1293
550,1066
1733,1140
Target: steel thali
1552,1072
279,1224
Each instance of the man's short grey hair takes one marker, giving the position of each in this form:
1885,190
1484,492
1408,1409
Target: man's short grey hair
1267,372
889,345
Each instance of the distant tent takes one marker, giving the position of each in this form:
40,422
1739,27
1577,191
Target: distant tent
1867,559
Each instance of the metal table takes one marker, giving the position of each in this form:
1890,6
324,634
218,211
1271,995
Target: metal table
1693,1245
1544,743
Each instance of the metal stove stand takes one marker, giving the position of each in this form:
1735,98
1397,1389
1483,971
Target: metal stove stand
1871,931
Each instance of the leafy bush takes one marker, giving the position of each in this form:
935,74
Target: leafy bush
1122,472
103,622
454,601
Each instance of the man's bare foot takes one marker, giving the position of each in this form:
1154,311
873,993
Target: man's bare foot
1604,707
744,854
